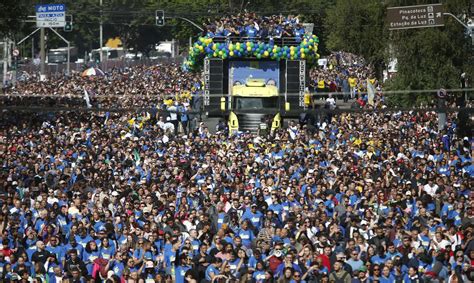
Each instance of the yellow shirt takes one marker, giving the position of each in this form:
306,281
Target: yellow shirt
352,82
321,84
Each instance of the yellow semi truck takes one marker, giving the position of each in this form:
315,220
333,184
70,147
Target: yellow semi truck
251,104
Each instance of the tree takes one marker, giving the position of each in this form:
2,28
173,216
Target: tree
12,12
357,26
430,58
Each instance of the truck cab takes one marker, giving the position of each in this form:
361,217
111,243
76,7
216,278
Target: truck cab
253,105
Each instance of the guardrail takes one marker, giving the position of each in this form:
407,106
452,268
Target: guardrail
280,41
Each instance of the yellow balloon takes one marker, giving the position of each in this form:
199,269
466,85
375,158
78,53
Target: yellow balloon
200,47
231,47
302,50
237,45
231,53
265,53
302,55
292,52
292,48
249,48
214,47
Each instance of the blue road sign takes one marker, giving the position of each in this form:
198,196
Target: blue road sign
50,15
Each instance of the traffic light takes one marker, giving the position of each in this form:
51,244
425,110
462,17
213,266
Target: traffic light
68,25
160,18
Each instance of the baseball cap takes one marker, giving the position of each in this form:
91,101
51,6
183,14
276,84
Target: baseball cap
149,264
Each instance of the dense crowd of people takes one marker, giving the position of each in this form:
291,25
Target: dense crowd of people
346,76
138,86
156,196
253,26
119,197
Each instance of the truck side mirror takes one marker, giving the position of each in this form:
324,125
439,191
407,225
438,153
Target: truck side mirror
287,106
222,103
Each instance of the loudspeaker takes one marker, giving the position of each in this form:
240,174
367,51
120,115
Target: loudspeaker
295,83
213,83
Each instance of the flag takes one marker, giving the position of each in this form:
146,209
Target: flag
87,99
257,27
136,155
370,92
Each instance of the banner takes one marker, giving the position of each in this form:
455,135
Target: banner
370,92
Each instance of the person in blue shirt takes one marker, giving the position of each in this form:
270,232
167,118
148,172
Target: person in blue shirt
74,245
56,276
380,257
246,234
213,271
392,252
276,207
287,262
259,275
222,216
184,265
254,216
83,238
51,264
386,277
116,264
106,250
91,253
58,250
251,31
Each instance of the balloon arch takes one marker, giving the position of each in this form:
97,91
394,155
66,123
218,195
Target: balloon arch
206,47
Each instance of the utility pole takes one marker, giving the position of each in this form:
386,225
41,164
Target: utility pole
42,54
5,62
101,33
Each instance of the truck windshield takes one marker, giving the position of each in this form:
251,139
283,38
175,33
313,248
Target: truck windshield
255,103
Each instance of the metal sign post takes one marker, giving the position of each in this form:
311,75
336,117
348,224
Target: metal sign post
418,16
